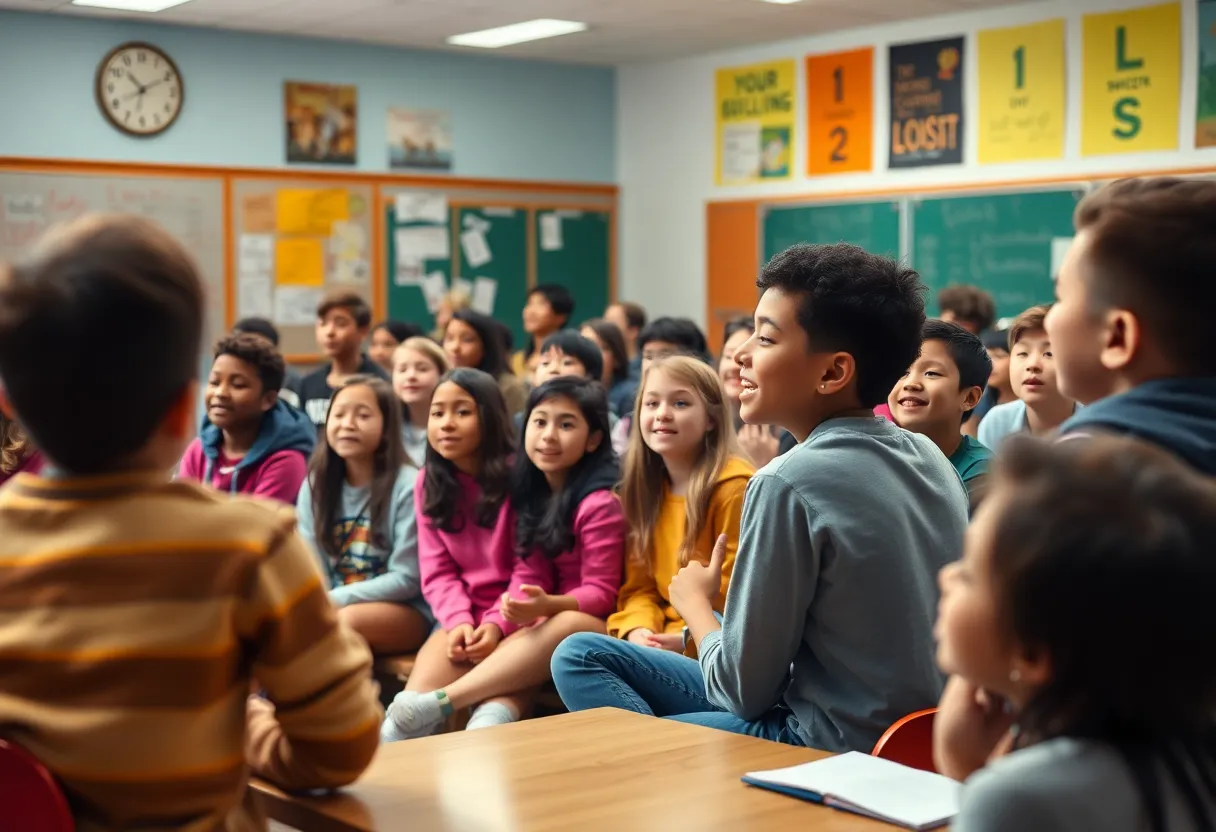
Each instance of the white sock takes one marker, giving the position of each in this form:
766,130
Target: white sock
489,714
413,714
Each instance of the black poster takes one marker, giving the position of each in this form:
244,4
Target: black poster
927,103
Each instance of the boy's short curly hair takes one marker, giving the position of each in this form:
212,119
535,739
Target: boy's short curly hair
259,353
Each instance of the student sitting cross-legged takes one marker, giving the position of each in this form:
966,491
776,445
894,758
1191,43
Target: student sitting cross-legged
827,636
940,388
251,442
139,611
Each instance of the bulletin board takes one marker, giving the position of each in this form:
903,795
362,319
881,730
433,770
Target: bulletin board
493,249
294,242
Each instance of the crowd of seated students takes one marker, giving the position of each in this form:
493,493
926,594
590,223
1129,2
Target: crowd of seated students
740,544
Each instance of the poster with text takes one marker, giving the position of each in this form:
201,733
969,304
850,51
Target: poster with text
1205,113
1022,86
419,140
1131,78
322,122
927,103
840,112
755,122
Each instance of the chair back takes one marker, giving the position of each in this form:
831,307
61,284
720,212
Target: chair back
31,799
909,741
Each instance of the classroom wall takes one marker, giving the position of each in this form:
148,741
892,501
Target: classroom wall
511,119
666,135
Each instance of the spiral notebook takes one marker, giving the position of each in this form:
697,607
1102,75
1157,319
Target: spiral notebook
870,786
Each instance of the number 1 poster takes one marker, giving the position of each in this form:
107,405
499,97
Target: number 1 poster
1022,80
755,122
927,103
840,112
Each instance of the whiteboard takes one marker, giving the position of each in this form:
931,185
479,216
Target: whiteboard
191,209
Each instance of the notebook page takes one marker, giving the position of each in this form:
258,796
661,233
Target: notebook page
879,787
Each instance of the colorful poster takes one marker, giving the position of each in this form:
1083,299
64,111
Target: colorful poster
299,261
322,122
1205,113
1022,84
840,112
419,140
1131,67
927,103
755,121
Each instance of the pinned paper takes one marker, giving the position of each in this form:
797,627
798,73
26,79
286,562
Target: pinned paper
417,206
408,274
257,213
255,296
348,236
434,288
550,232
299,261
476,249
256,255
475,223
418,243
311,212
1059,248
296,305
351,271
485,289
22,207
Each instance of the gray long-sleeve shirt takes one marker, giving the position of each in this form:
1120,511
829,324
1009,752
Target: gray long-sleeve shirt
364,571
834,593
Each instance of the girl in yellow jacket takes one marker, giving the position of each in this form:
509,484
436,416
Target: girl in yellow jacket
683,486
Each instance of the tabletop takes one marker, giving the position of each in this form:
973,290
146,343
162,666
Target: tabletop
601,769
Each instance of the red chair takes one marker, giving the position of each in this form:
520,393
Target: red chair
31,799
909,741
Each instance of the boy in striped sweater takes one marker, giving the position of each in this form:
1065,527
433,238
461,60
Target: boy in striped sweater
135,612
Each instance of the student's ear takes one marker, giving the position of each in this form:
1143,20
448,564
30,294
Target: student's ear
1031,668
838,373
974,394
179,421
1123,339
593,442
268,400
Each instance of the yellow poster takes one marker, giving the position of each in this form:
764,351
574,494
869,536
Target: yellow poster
311,212
299,261
755,122
1131,67
1022,80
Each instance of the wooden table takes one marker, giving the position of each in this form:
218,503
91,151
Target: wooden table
604,769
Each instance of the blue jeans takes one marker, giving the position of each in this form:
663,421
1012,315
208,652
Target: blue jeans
598,671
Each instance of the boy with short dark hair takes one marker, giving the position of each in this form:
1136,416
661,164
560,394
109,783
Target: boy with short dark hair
291,376
937,393
567,353
343,321
968,306
251,442
1040,407
167,598
827,637
1132,328
548,310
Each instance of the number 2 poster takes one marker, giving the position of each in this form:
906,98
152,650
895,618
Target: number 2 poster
927,103
840,112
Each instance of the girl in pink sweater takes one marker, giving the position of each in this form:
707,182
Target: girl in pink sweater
570,542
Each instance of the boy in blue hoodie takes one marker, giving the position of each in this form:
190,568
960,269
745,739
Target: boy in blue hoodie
1132,328
251,442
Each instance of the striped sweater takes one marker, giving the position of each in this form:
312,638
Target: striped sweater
135,614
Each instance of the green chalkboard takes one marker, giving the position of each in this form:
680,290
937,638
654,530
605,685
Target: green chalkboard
572,250
872,225
999,242
406,301
506,237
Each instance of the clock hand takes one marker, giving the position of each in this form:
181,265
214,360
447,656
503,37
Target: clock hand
136,80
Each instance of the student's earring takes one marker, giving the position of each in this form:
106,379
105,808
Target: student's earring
1015,675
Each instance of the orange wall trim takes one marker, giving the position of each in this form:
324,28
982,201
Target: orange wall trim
732,232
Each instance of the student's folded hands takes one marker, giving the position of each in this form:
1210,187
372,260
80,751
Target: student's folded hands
485,638
525,611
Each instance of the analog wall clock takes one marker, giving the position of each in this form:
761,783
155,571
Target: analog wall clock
139,89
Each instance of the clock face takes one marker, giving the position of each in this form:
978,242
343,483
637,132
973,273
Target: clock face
139,89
